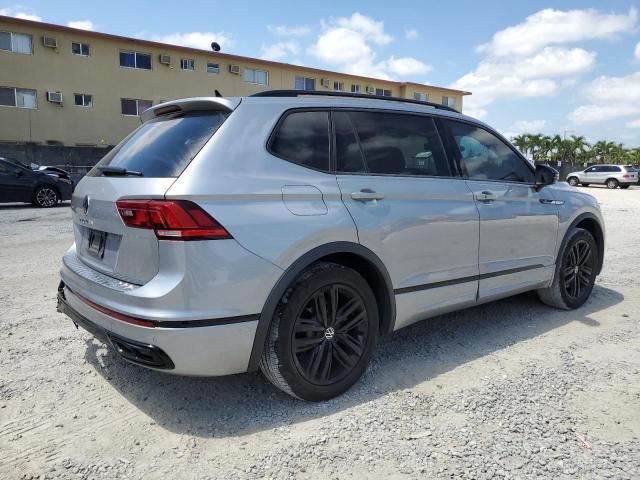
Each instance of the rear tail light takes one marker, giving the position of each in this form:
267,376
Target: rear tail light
626,175
171,219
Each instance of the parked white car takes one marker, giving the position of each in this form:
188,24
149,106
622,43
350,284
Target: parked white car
613,176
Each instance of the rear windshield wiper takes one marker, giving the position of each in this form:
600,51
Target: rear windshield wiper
109,170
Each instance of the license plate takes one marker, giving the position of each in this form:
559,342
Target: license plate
97,241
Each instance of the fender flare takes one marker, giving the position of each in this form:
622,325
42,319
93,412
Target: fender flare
599,238
289,275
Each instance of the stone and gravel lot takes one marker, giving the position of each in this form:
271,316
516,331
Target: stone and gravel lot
512,389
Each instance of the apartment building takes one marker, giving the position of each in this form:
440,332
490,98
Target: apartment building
64,86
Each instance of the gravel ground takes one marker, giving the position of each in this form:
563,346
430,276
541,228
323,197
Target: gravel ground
511,389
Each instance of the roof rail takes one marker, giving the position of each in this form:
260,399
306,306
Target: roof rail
297,93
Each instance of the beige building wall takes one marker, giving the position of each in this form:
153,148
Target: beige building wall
100,75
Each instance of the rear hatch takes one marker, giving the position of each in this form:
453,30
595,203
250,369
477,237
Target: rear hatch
143,166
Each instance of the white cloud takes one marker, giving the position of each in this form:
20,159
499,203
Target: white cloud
280,50
367,27
526,60
615,89
595,113
18,11
549,26
406,66
285,31
633,124
81,24
200,40
348,44
614,97
524,126
411,34
637,51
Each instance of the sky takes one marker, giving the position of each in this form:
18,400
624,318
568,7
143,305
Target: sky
565,67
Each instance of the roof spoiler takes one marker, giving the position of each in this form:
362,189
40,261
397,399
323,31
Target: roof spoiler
219,104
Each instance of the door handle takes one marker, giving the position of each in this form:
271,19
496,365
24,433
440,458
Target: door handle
549,201
367,195
486,196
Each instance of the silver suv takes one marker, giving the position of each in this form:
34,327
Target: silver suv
613,176
288,231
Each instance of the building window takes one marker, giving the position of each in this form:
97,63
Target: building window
383,92
355,88
18,97
261,77
81,49
213,67
132,106
449,102
304,83
83,100
338,86
423,97
187,64
16,42
135,60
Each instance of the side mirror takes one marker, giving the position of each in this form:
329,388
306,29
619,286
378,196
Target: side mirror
546,175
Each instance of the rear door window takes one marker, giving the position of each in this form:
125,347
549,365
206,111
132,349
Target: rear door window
164,146
303,138
392,144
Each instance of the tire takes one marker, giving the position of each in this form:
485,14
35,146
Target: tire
624,187
612,184
45,196
314,357
573,181
571,287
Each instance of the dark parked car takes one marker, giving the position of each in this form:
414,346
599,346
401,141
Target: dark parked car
43,187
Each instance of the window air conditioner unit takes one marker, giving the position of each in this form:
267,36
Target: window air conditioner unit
54,97
325,82
165,59
235,69
50,42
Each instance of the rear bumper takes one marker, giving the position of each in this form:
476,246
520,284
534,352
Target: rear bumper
188,349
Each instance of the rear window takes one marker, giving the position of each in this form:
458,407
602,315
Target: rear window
303,138
164,146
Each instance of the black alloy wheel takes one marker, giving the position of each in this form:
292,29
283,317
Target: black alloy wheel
323,333
578,270
330,334
46,197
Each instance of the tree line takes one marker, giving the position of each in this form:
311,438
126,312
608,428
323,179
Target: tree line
574,150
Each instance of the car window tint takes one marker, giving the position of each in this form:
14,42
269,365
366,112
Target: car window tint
348,154
400,144
303,138
164,146
481,155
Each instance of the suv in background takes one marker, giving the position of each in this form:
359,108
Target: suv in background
289,230
613,176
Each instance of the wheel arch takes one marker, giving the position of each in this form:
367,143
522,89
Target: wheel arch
591,223
349,254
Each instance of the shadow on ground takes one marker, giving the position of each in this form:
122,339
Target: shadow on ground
27,206
241,404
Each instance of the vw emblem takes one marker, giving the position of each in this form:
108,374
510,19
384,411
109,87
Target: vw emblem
85,204
329,333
